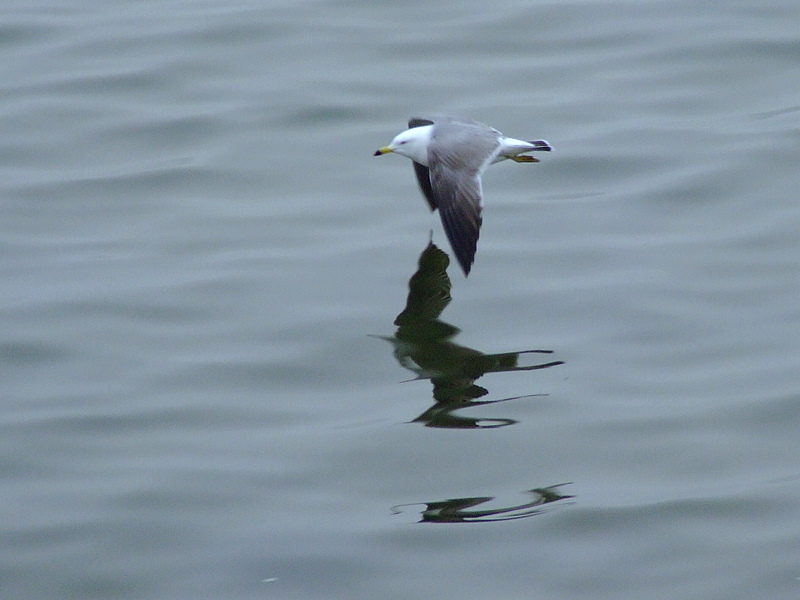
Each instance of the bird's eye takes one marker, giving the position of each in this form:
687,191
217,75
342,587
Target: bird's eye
403,142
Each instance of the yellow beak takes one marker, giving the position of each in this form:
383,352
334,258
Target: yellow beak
384,150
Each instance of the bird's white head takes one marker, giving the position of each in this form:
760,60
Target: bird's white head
412,143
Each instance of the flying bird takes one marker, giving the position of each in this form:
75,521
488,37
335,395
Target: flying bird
449,154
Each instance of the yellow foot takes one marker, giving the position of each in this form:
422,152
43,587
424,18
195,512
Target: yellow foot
524,158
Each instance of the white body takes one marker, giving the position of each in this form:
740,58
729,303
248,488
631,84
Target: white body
413,144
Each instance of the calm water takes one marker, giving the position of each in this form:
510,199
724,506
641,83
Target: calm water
203,264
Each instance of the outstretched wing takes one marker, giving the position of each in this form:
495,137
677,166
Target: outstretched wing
421,171
458,153
459,199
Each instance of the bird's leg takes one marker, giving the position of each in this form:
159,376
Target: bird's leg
524,158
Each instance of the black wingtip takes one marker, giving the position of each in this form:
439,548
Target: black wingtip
462,239
418,122
541,145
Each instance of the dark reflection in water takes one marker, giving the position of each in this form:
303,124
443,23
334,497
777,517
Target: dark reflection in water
422,345
456,510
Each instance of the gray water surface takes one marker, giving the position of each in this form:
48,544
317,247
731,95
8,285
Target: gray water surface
203,263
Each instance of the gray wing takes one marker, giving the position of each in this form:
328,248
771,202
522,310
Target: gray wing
458,153
460,209
421,171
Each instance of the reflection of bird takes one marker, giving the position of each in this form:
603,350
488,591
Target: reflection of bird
449,156
422,342
428,291
457,510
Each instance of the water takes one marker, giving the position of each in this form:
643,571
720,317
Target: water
201,256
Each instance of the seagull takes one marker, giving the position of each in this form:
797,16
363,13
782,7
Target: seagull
449,155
